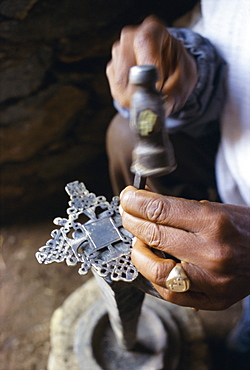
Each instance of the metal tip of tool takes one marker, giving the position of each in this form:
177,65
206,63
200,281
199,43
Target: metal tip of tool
139,181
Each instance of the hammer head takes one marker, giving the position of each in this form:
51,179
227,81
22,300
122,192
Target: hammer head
153,153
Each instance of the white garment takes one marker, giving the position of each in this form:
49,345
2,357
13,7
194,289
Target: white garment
226,23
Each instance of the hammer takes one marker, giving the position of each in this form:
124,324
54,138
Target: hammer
153,154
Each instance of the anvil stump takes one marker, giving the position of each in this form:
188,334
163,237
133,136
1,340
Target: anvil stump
168,337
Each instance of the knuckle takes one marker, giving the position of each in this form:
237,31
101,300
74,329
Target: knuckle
151,27
222,259
206,210
218,219
153,235
126,32
144,37
155,209
223,235
149,31
222,220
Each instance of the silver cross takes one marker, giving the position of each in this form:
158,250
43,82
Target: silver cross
100,243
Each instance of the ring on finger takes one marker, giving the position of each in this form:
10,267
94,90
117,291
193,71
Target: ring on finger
177,280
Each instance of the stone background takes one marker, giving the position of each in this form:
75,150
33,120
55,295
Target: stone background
55,102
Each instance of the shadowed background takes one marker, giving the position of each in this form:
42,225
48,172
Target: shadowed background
55,102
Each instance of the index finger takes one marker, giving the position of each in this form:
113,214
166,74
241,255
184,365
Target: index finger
164,210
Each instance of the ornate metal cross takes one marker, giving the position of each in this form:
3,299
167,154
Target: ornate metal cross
100,243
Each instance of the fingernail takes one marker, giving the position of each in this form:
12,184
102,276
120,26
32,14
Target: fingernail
120,210
134,241
121,193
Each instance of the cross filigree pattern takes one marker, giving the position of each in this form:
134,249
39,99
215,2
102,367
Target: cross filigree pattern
100,243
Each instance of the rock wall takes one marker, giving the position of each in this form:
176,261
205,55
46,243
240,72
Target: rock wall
55,103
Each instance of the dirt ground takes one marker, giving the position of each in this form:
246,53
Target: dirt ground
30,293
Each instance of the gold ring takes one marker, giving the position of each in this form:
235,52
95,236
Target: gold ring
177,280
